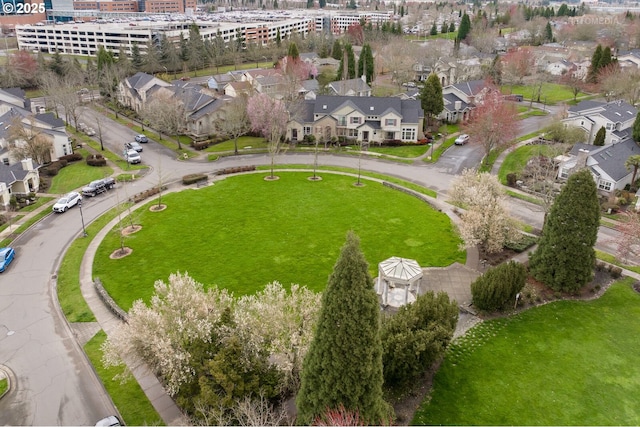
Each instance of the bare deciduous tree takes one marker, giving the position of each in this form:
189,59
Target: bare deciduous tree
166,114
235,121
27,141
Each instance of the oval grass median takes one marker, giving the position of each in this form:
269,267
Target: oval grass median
244,232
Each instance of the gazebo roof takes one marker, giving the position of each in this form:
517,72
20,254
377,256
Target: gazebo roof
400,270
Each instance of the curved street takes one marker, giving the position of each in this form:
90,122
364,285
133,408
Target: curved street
54,382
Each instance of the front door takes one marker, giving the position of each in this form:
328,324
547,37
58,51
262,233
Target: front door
294,134
365,135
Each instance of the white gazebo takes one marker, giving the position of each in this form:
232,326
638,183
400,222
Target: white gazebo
398,281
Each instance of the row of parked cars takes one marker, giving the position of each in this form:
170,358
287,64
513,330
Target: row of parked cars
91,190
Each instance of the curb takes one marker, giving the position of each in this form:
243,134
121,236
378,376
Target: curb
11,379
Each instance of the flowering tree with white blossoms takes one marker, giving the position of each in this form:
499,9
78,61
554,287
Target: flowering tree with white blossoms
486,221
269,117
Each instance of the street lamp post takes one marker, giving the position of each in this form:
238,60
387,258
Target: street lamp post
84,230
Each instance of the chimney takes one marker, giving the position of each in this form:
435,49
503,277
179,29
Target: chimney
458,105
27,164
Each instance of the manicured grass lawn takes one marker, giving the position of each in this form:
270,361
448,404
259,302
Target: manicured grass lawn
407,151
449,128
76,175
441,149
613,260
524,197
564,363
37,217
553,93
72,302
4,385
244,232
516,160
129,398
243,143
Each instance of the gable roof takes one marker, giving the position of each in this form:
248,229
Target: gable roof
13,173
343,86
471,88
139,80
610,158
615,111
409,109
50,119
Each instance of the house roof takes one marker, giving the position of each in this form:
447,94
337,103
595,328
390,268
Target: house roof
50,119
615,111
409,109
310,85
610,158
139,80
343,86
12,173
472,87
210,108
192,99
450,100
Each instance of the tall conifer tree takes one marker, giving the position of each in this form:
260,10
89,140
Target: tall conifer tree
344,363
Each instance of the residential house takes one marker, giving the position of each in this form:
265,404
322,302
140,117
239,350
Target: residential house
359,118
351,87
629,58
135,91
452,71
606,164
220,81
201,110
234,89
582,69
615,117
13,97
18,178
460,99
561,67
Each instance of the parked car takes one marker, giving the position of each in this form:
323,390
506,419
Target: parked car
131,156
66,202
90,131
6,256
462,139
98,186
133,146
142,138
110,421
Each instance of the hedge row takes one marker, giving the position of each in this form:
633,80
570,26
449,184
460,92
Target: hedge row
96,160
237,169
53,168
146,194
71,157
193,178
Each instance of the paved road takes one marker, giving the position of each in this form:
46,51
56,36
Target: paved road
55,384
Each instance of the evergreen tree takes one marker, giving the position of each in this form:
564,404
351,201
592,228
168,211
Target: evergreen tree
496,289
309,4
293,51
452,27
366,59
336,51
431,97
548,32
600,137
322,3
57,64
605,59
184,49
352,5
344,363
136,59
444,28
278,38
434,30
592,74
104,59
351,63
465,27
635,133
565,256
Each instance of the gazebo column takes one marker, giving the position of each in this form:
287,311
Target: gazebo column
385,295
406,293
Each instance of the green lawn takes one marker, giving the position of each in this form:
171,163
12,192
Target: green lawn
243,143
406,151
611,259
552,93
563,363
449,128
244,232
4,385
516,160
39,202
76,175
37,217
441,149
129,398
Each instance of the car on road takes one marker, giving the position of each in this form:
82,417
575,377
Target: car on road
462,139
6,256
131,156
98,186
133,146
67,202
142,138
110,421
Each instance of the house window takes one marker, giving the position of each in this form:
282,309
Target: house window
605,185
582,123
353,133
409,134
609,126
564,173
355,120
389,122
306,130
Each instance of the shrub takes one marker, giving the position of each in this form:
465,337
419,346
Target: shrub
616,272
193,178
608,205
53,168
496,289
96,160
200,145
511,179
522,244
71,157
146,194
416,336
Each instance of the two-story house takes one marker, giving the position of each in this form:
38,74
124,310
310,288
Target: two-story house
350,87
616,117
368,119
134,92
460,99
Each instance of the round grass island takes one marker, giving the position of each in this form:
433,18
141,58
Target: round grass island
244,232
